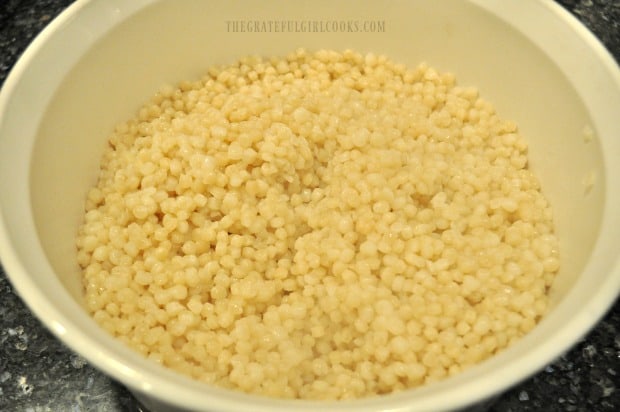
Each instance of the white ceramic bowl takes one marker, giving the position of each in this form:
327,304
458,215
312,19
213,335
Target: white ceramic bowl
96,63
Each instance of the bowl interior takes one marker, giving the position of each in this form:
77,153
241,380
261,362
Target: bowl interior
73,97
134,59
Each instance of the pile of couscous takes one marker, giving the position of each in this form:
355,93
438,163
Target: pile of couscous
321,226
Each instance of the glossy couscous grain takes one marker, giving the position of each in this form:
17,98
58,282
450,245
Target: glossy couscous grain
322,226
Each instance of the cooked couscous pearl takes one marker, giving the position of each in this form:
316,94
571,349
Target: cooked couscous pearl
322,226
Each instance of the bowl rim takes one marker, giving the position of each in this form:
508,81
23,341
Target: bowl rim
168,386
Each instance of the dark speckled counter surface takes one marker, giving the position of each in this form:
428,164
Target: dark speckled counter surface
39,374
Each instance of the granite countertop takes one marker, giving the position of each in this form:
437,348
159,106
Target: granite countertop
38,373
